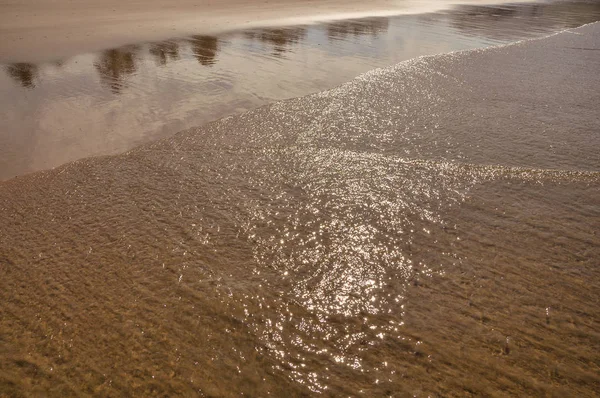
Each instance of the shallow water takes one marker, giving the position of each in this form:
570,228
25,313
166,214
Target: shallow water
96,104
428,229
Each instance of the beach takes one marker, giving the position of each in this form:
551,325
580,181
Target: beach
428,228
111,101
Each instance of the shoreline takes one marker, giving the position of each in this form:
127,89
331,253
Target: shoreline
272,231
386,69
52,30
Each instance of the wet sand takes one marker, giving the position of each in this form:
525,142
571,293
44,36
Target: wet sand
428,229
42,30
112,101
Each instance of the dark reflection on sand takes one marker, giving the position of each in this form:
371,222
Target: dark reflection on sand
23,73
115,65
362,27
164,52
205,49
280,39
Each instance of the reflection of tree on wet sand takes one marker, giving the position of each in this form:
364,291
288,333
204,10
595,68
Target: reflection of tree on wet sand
25,74
115,65
280,39
205,49
359,27
164,51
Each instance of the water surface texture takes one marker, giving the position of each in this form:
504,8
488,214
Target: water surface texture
427,229
110,102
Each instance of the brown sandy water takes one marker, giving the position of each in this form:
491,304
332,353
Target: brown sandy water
428,229
63,109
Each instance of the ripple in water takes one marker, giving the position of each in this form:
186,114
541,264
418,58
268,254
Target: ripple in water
424,229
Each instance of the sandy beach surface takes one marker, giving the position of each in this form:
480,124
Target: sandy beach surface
425,229
32,30
110,101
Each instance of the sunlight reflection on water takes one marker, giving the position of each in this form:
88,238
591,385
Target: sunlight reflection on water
106,103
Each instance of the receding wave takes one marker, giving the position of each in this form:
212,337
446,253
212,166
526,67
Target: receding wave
423,229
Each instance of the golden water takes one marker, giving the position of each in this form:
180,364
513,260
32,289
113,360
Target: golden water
429,229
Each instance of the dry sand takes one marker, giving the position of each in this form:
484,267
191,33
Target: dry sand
42,30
